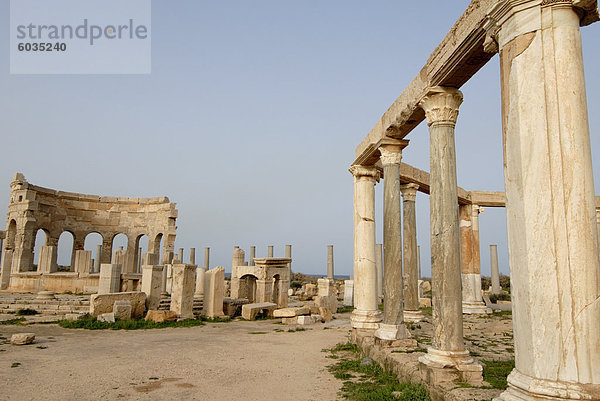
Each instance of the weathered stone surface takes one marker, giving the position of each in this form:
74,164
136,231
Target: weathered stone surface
159,316
110,278
496,288
250,311
348,292
214,292
46,295
182,297
289,320
311,290
291,312
107,317
22,338
326,287
409,250
152,285
325,314
103,303
329,302
122,309
306,320
330,273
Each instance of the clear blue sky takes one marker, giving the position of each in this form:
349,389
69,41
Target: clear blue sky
250,119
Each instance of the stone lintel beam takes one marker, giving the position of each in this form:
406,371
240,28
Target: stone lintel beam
467,47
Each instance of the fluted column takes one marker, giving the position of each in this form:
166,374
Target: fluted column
365,314
447,348
550,202
412,313
392,327
470,260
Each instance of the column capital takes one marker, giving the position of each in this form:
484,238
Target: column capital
409,191
391,151
359,171
441,105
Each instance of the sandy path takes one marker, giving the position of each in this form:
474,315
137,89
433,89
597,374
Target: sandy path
214,362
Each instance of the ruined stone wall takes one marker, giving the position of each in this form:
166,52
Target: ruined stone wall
32,208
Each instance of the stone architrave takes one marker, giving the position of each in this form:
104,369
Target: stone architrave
330,272
496,288
392,328
47,259
214,286
379,267
348,292
83,262
366,315
182,297
550,202
110,279
412,313
151,285
447,348
470,260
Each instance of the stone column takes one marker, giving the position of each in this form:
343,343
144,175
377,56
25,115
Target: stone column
138,264
412,313
270,251
252,255
496,288
182,296
597,225
192,256
550,203
110,279
379,268
98,258
207,258
470,260
419,260
392,327
365,315
180,255
288,254
200,277
330,261
151,285
447,349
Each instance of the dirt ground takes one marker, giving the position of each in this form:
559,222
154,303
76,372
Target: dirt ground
217,361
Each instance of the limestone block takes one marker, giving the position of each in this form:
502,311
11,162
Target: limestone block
326,287
103,303
45,295
306,320
182,297
83,262
110,279
122,309
325,314
47,259
214,292
159,316
290,292
249,311
348,292
151,285
107,317
289,320
329,302
22,338
424,302
291,312
311,290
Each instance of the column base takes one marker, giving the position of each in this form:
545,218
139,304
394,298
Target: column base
526,388
475,308
392,332
449,366
366,319
413,316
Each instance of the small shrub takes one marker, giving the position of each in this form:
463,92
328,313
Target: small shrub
295,285
91,323
27,312
17,321
495,372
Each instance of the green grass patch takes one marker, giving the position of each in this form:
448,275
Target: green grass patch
17,321
427,311
257,332
368,381
345,309
26,312
91,323
217,319
495,372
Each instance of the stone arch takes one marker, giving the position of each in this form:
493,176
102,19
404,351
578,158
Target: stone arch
248,287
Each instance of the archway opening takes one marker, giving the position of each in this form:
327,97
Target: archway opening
65,251
119,247
142,243
91,243
41,239
157,246
248,287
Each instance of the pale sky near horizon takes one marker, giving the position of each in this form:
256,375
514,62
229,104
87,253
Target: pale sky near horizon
250,119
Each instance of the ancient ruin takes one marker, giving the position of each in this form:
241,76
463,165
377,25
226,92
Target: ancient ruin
34,208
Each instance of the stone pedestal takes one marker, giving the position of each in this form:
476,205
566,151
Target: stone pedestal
47,259
83,262
550,204
447,350
110,279
348,292
214,286
365,315
151,285
412,313
182,297
392,328
330,261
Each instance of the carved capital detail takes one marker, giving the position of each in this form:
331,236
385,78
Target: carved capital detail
409,192
441,105
365,171
390,155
